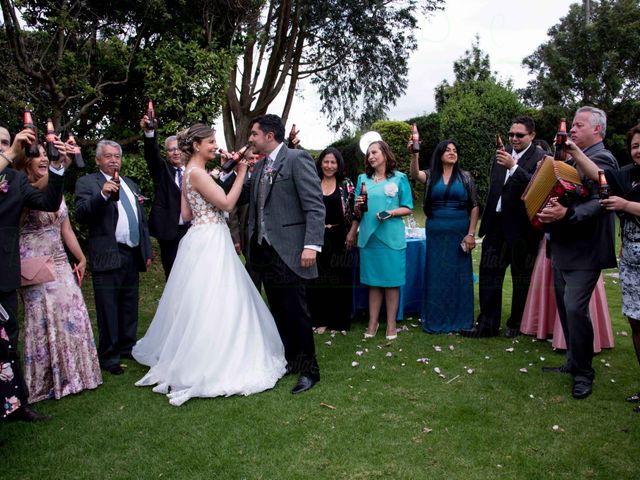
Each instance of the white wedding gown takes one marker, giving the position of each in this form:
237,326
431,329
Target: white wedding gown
212,334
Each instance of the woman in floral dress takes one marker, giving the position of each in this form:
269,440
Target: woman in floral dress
59,350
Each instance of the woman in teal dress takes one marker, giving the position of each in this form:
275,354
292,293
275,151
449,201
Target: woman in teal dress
381,237
451,208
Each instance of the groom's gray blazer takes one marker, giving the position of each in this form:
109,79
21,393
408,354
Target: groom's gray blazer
293,211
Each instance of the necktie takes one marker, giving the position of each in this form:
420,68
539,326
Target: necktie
178,171
134,232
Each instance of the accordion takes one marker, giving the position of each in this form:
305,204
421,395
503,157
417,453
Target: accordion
552,179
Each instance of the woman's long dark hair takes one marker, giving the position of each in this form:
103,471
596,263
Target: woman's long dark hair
390,166
336,153
436,160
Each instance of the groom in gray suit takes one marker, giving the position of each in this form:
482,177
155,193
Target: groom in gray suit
286,230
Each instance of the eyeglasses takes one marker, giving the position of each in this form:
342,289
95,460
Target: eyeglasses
109,156
173,149
517,134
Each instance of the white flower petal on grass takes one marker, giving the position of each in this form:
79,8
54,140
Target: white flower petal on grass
470,371
437,348
531,396
613,381
402,364
542,359
623,333
524,370
413,325
607,365
451,347
437,370
426,430
388,354
510,349
354,364
487,357
359,353
442,376
328,342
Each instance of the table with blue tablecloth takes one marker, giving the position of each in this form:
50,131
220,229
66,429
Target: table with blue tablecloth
412,291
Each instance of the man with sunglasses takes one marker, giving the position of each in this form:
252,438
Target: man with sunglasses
165,222
509,238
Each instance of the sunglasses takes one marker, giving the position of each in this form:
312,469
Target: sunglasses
517,134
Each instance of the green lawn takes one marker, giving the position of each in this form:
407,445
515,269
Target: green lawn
394,417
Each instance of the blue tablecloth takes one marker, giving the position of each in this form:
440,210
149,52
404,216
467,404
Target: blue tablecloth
410,294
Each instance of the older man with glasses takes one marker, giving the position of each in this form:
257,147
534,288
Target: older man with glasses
509,238
165,222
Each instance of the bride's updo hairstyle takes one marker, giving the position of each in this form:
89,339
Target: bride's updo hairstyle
194,134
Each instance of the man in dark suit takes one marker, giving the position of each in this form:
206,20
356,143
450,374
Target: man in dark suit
509,237
16,193
165,222
286,230
119,248
582,244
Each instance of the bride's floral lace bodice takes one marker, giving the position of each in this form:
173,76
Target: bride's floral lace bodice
203,211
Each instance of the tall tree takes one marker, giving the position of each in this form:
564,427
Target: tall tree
595,62
90,64
353,51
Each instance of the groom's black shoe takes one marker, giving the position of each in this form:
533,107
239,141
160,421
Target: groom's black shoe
304,383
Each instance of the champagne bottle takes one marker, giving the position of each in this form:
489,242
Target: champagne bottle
499,142
77,153
31,150
235,158
603,187
52,152
292,136
115,195
415,139
561,142
364,207
151,116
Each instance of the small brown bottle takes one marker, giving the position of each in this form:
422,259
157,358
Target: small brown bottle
415,139
235,158
31,150
499,143
52,152
77,153
292,136
603,187
151,116
561,142
115,195
364,207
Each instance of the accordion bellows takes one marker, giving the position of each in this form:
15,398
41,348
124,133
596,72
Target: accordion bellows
551,179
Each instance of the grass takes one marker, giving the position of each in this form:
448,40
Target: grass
393,417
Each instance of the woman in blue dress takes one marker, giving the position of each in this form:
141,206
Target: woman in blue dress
381,237
451,208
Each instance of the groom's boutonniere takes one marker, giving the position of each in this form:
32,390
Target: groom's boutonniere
4,184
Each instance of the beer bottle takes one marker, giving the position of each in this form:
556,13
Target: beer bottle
499,142
561,142
364,207
52,152
603,187
292,136
115,195
77,153
235,158
30,150
151,116
415,138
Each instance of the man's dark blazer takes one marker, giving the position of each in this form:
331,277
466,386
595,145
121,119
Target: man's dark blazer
584,238
293,210
102,217
515,223
165,209
21,194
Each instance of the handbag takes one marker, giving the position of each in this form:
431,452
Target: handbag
36,270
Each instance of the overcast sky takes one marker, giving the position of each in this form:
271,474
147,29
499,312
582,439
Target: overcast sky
509,31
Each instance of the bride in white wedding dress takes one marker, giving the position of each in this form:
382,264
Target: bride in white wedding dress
212,334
